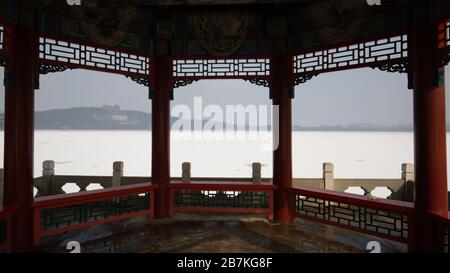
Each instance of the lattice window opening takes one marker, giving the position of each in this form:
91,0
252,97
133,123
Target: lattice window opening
71,188
381,192
209,68
93,57
389,223
340,214
93,211
362,53
356,190
94,186
385,222
221,199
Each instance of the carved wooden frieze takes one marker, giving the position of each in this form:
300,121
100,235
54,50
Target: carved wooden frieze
106,22
221,33
223,27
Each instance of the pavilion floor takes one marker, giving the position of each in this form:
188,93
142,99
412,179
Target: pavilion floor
206,233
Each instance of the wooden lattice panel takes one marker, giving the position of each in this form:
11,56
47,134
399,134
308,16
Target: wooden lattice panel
53,218
77,55
392,224
222,199
355,55
221,68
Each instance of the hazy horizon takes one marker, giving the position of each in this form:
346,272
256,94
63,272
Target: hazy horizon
359,96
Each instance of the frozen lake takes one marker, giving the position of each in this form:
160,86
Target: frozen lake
355,154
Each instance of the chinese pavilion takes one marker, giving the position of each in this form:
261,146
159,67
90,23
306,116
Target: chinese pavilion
165,44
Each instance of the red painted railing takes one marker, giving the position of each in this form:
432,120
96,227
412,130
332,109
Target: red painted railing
96,207
379,217
6,217
443,220
246,197
444,42
444,34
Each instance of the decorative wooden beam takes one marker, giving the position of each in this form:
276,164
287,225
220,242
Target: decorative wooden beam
45,69
182,83
259,82
303,78
142,81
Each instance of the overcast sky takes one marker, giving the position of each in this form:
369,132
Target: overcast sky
355,96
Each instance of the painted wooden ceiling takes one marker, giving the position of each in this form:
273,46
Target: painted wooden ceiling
201,27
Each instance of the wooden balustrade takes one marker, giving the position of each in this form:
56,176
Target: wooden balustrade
374,216
60,213
224,196
378,217
6,228
443,218
55,213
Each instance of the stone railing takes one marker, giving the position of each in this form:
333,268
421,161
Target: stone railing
401,188
51,184
186,176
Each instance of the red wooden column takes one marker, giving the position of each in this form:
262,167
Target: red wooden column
429,134
22,55
281,87
162,87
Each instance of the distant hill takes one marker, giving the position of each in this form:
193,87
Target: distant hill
93,118
113,118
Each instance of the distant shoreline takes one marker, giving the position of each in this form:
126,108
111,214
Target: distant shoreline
303,130
112,118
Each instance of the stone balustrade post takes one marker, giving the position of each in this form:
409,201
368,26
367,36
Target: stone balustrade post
48,171
256,172
186,172
117,173
328,176
408,178
48,168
